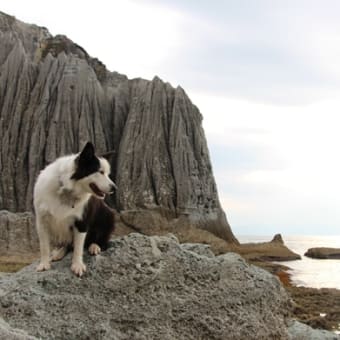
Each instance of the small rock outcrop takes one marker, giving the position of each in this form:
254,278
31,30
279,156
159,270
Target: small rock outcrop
275,250
300,331
323,253
147,288
18,236
54,97
277,238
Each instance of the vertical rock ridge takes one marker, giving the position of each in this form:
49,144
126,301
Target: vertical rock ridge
54,97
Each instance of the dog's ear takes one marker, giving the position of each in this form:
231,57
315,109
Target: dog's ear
108,155
86,162
88,152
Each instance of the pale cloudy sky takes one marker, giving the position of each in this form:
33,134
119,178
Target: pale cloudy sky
265,75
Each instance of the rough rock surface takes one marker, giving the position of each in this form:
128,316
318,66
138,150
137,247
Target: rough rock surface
54,97
198,248
147,288
9,333
17,234
323,253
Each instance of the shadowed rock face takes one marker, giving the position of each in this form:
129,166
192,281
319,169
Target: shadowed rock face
54,97
17,234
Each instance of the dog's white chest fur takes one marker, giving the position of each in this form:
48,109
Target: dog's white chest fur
60,230
55,203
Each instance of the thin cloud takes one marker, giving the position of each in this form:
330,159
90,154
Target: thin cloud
280,52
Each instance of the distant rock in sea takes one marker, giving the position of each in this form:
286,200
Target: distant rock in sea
54,97
275,250
277,238
323,253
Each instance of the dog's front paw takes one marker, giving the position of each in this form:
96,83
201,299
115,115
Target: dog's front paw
43,266
94,249
78,268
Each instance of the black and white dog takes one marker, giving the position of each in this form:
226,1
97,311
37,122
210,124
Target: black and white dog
69,208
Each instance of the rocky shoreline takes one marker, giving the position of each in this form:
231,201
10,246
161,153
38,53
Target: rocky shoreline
184,288
318,308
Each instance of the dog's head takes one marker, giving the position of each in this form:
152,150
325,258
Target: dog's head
92,173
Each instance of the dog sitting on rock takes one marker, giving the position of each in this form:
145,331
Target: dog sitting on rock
70,209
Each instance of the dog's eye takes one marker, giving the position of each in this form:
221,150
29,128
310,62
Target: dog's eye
101,171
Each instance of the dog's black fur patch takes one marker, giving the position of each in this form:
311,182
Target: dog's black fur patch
86,163
98,221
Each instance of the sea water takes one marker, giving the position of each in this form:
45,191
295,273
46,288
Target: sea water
308,272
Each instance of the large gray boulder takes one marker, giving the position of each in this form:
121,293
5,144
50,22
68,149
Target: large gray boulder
54,97
147,288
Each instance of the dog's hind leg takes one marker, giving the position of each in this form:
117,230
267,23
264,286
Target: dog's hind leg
94,249
58,253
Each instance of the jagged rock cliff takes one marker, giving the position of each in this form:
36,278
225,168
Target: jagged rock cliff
54,97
